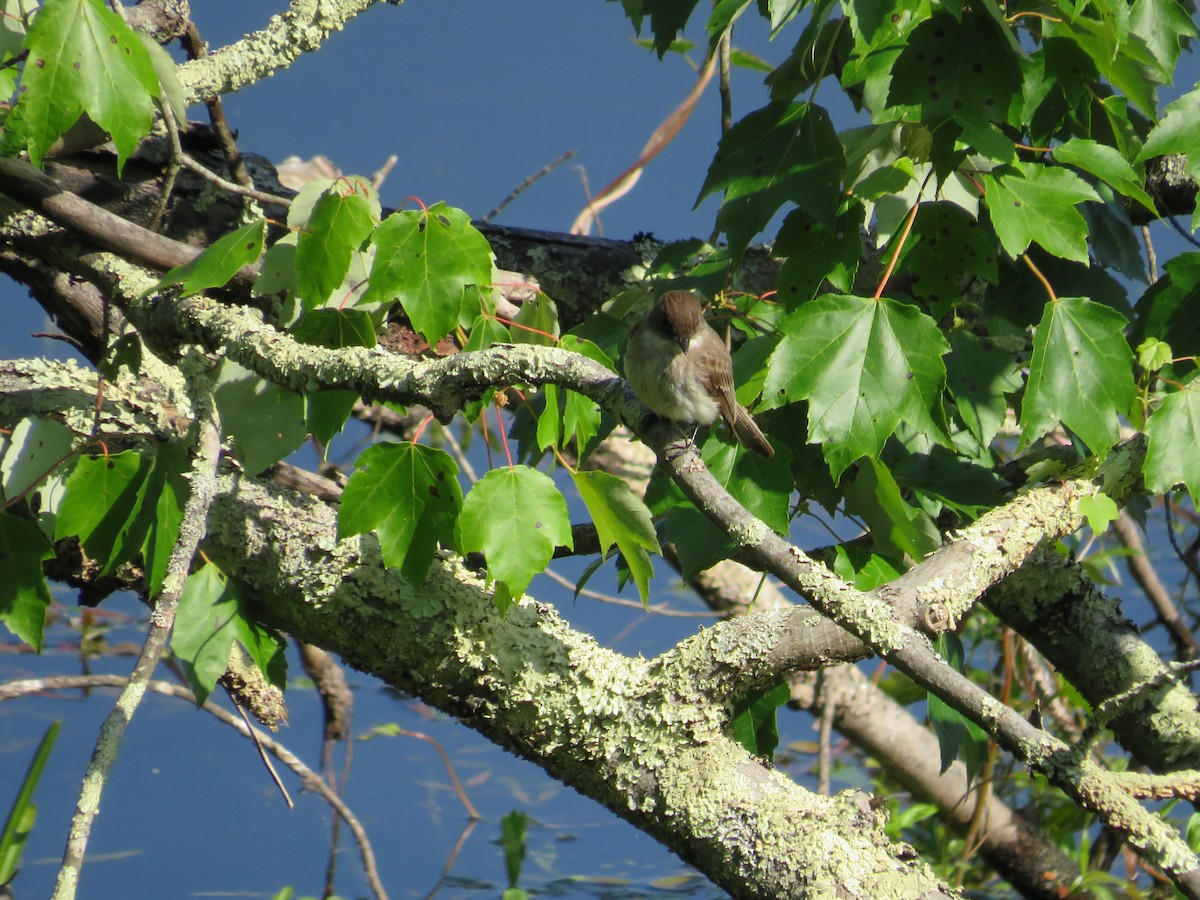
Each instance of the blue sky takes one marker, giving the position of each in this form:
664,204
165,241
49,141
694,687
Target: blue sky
475,95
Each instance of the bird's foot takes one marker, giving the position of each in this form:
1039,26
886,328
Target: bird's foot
676,449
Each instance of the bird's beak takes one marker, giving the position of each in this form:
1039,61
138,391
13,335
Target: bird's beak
683,343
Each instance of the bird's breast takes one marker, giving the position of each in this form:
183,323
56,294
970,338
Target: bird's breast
677,393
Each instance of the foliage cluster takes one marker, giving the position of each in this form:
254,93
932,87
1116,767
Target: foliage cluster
960,281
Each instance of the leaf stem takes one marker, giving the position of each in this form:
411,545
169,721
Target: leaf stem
1040,277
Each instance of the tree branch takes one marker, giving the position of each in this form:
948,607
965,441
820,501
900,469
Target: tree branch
191,531
303,28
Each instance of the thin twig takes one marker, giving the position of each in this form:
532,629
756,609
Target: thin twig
524,185
660,609
262,753
253,193
382,172
191,530
459,454
196,49
458,788
173,167
723,83
662,136
825,735
310,779
1144,573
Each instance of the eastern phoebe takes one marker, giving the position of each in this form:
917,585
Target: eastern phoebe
680,368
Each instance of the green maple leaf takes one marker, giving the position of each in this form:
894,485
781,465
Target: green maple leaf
219,262
166,493
1174,433
325,412
1031,202
864,365
338,226
1164,25
26,596
1081,373
1177,132
427,259
956,68
516,516
100,506
951,245
408,494
265,420
782,153
1106,164
210,617
621,518
84,58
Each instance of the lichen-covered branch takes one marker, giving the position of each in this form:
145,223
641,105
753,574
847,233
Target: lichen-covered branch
304,27
191,532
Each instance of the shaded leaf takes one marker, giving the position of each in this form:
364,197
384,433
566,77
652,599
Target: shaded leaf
101,504
956,69
325,412
621,518
26,596
167,491
956,734
753,722
782,153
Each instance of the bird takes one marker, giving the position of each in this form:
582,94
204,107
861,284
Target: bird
680,367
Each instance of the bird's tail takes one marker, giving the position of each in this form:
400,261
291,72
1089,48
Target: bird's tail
748,434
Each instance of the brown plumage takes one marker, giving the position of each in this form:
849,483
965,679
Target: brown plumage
680,368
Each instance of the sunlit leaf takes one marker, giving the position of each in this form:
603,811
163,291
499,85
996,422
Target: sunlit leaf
34,449
409,495
1174,434
339,225
1106,164
427,260
23,812
84,58
1032,202
1081,373
516,516
864,365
